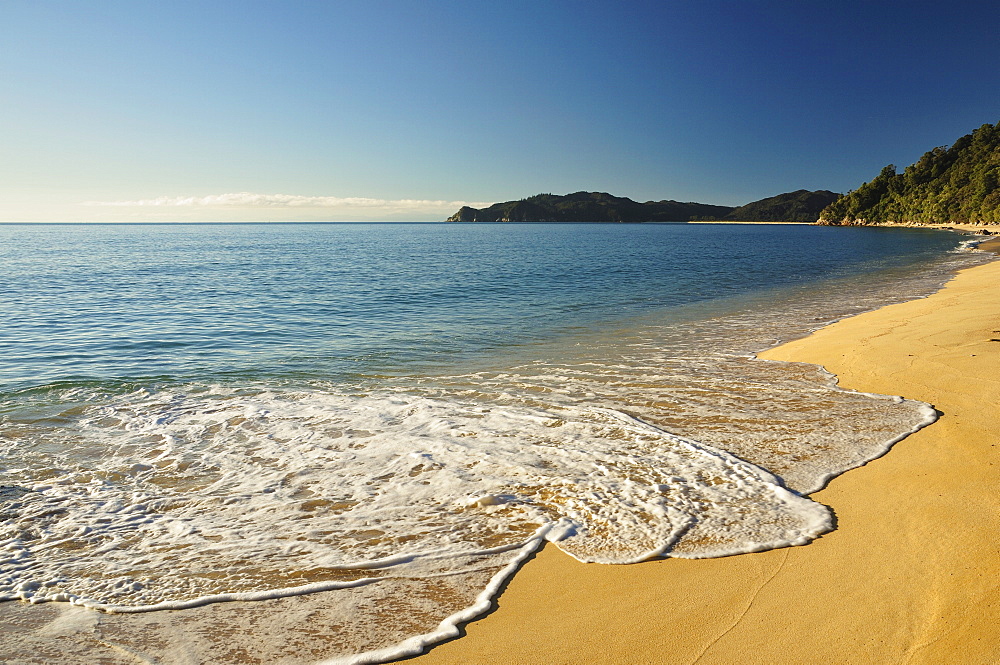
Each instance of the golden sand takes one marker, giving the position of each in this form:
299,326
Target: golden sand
760,223
910,575
966,228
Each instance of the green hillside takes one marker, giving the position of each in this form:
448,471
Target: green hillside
587,207
601,207
948,185
798,206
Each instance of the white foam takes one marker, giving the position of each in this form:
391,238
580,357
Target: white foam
244,488
449,627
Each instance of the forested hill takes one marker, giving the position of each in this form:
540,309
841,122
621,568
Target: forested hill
588,207
799,206
946,186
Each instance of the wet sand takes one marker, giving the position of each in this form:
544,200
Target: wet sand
910,575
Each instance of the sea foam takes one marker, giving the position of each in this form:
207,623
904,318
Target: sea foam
262,494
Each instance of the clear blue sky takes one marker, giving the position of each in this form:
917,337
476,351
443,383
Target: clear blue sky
406,109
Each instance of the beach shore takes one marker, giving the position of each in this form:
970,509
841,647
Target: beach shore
965,228
763,223
910,575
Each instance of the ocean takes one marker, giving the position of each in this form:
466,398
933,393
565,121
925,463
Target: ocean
397,415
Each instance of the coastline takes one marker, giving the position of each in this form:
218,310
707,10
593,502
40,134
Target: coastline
666,611
963,228
991,229
909,575
759,223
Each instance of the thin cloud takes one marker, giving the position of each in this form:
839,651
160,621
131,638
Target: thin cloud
251,200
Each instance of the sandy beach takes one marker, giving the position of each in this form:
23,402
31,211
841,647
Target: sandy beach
737,222
910,575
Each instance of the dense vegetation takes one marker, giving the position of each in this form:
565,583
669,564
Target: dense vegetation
798,206
947,185
587,207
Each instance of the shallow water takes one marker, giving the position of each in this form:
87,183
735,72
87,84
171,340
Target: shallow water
192,414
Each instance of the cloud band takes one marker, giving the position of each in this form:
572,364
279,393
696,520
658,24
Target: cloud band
251,200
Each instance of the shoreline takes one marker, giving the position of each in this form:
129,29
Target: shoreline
758,223
911,573
989,229
555,609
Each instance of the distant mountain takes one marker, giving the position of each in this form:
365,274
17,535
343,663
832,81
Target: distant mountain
797,206
947,185
588,207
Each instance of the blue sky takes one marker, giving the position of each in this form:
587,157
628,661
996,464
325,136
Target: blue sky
157,111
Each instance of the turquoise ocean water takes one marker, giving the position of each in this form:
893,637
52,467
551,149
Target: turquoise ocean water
198,413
